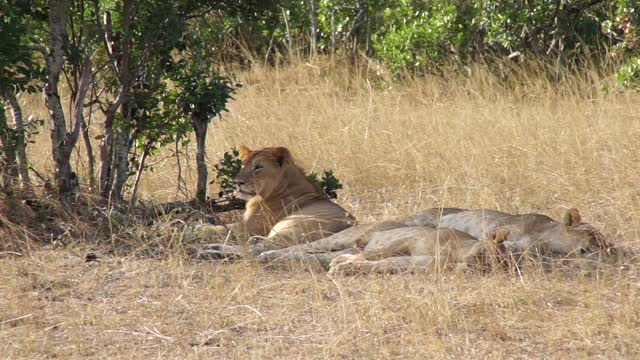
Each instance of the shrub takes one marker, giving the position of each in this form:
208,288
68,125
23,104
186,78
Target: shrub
329,183
628,76
418,34
226,170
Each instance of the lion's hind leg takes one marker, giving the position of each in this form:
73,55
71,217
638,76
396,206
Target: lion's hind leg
395,264
344,242
281,258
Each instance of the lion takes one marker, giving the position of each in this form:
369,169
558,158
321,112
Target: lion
418,247
526,234
347,242
526,231
284,207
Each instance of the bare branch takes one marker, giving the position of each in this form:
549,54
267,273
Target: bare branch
200,14
78,106
93,102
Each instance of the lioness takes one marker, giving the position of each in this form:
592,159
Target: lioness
284,208
349,241
526,231
417,247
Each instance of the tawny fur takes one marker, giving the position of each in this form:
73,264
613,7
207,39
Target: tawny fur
429,249
528,231
284,207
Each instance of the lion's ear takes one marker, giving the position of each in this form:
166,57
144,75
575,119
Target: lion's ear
500,236
281,154
244,152
572,217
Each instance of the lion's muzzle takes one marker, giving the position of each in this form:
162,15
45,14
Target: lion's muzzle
242,190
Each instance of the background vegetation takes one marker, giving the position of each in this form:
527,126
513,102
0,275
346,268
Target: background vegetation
518,106
156,71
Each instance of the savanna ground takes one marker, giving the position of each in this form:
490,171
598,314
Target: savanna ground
472,141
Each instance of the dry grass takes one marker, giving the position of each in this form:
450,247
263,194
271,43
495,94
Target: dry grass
522,145
175,308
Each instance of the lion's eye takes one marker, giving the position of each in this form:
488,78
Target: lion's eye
257,168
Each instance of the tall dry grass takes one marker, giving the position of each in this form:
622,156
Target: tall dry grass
526,143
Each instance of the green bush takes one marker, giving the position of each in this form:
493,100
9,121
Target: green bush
226,170
544,27
329,183
418,33
628,76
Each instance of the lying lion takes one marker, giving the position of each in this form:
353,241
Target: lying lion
284,208
416,247
525,233
349,241
393,246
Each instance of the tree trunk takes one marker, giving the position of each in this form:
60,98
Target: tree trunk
313,15
123,143
367,36
7,138
62,141
136,183
106,154
200,128
91,160
333,33
58,10
121,63
286,23
20,145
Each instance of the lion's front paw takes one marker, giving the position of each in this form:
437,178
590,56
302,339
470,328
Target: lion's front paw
338,269
210,231
343,259
268,256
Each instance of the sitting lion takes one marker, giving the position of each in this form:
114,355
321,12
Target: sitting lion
284,208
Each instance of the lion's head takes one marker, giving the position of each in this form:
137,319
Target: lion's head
580,238
268,171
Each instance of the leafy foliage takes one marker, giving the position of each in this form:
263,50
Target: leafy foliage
226,170
628,76
199,91
624,29
329,183
419,34
17,65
